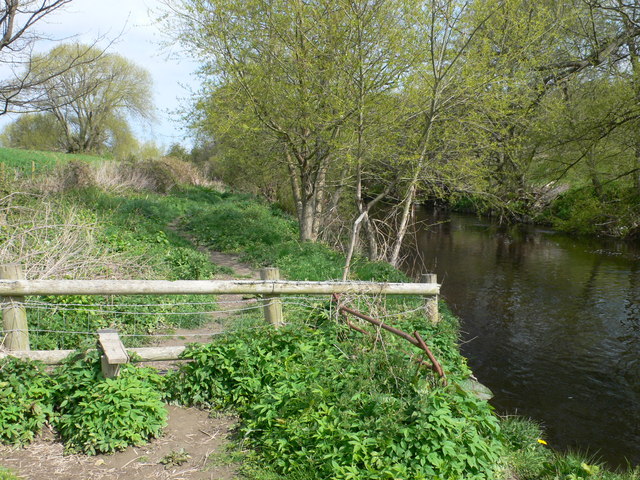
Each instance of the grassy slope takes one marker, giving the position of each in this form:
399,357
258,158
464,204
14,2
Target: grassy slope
25,160
138,224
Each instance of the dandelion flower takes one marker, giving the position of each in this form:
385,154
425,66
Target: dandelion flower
542,442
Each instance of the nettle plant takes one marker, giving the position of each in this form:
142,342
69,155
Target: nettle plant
312,400
91,414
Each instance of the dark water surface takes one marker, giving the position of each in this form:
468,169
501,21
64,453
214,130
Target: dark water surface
551,324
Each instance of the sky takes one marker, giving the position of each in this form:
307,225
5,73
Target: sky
139,39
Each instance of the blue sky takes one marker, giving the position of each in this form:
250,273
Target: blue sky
138,38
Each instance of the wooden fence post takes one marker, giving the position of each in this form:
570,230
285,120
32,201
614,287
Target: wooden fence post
431,301
14,314
272,303
113,352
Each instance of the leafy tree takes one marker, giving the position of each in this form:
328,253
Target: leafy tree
92,101
149,150
176,150
37,131
288,68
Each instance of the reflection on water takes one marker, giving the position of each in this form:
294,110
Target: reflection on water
551,324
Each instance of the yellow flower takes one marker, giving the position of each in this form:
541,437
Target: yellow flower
541,441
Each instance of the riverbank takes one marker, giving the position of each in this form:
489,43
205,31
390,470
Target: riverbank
316,401
524,449
611,211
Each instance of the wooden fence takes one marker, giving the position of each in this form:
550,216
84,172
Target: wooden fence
14,287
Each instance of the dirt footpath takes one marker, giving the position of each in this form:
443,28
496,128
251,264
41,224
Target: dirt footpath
191,438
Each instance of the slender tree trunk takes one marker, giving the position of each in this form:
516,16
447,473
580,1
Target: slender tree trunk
319,201
394,258
373,250
412,188
593,172
355,228
296,191
306,221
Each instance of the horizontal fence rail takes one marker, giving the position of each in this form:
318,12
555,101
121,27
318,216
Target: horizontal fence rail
19,288
14,288
56,357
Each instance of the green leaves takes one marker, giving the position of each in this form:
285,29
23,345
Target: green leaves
98,415
25,400
92,414
309,402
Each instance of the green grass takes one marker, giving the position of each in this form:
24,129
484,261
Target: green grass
24,160
6,474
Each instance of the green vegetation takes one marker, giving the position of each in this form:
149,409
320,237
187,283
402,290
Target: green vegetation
322,401
616,212
98,415
7,474
316,400
26,395
91,414
22,161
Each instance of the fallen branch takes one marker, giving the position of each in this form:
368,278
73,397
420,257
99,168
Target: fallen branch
415,340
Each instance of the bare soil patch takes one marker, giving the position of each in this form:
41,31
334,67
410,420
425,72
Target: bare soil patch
191,435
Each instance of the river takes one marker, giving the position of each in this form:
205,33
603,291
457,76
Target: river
551,323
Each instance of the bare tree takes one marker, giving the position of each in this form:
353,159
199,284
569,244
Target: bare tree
18,19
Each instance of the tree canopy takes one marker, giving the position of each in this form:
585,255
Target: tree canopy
91,101
356,101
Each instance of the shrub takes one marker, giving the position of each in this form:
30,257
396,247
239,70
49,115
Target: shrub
335,410
98,415
75,175
25,400
158,176
188,264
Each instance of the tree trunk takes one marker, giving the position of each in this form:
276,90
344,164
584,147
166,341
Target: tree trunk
306,221
319,200
373,250
404,221
593,173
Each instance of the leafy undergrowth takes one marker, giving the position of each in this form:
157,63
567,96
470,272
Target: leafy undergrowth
91,414
615,212
322,400
98,415
26,401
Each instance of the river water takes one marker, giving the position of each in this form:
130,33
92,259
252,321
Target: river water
551,323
